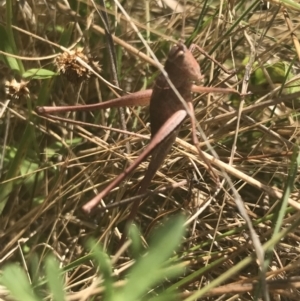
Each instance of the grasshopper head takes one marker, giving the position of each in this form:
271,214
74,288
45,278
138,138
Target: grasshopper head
182,64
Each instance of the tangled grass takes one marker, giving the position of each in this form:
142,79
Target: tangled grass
51,167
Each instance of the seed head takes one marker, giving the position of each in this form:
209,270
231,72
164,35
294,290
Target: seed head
69,66
16,90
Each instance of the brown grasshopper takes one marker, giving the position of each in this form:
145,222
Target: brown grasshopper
167,112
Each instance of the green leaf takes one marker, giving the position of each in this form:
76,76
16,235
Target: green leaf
15,280
54,277
39,73
151,269
165,296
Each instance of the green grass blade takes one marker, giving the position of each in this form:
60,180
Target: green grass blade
54,278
